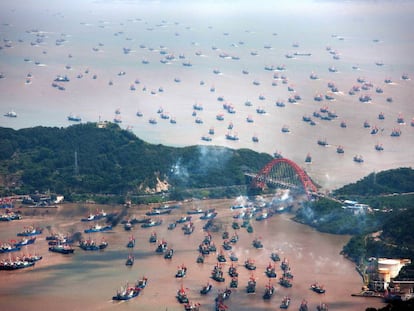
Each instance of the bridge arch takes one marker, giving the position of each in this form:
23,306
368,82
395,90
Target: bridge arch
283,169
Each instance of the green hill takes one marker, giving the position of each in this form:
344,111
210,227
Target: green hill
87,159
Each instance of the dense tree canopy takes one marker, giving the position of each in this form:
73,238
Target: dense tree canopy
87,159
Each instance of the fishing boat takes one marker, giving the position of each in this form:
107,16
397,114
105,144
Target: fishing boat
317,288
142,283
62,249
285,303
192,306
230,136
74,118
206,289
182,295
313,76
181,271
285,282
303,306
60,78
358,158
200,258
217,273
374,130
183,219
206,138
223,295
257,243
322,142
96,216
153,237
30,231
131,242
234,238
152,223
396,132
127,293
260,110
162,247
210,214
25,242
130,260
11,114
249,264
270,271
284,265
98,228
9,216
91,245
169,253
274,256
233,257
195,211
233,271
158,211
31,257
188,228
128,226
15,264
8,247
269,291
251,285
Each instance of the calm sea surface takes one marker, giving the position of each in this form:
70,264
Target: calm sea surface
144,44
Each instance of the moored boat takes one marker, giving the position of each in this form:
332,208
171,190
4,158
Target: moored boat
11,114
206,289
91,245
74,118
269,291
130,260
8,247
251,285
303,306
322,307
15,264
317,288
182,295
98,228
181,271
285,303
62,249
30,231
285,282
152,223
25,242
249,264
126,293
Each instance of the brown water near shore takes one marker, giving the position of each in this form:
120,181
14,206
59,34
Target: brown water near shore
88,280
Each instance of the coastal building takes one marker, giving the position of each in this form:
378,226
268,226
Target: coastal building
388,269
356,207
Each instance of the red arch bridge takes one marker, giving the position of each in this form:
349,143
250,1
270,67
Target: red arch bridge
284,173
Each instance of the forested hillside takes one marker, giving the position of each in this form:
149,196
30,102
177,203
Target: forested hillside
86,159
